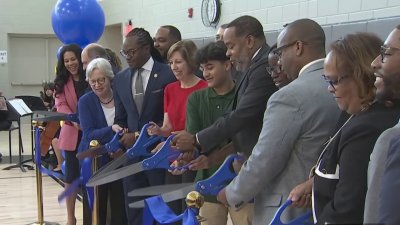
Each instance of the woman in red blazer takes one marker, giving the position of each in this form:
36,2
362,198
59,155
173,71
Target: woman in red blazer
70,84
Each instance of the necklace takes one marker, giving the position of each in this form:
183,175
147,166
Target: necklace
107,102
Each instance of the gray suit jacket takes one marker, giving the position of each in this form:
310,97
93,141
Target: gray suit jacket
376,168
297,121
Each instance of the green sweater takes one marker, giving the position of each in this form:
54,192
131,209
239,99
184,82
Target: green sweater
204,107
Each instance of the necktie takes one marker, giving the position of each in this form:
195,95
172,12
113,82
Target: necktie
139,91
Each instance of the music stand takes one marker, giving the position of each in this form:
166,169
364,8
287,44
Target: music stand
35,103
17,109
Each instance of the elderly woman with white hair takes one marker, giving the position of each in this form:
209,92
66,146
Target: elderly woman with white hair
96,114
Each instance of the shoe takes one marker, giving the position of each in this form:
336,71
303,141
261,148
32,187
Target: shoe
57,170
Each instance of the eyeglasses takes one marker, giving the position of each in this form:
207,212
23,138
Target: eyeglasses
99,81
278,51
384,52
334,83
277,69
129,52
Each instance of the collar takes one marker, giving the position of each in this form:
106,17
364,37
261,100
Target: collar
255,54
149,64
309,64
213,94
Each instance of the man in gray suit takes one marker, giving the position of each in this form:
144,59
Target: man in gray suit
298,120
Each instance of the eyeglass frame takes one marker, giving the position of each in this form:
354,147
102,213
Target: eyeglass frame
383,53
336,82
99,81
129,52
278,51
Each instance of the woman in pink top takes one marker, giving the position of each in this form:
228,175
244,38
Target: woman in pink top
70,84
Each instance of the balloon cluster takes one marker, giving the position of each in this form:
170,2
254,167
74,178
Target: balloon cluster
78,21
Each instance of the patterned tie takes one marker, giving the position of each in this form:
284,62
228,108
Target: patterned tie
139,91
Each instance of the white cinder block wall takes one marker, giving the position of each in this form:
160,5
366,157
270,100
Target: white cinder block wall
33,16
150,14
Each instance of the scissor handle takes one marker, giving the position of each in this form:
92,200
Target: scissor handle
73,117
140,148
114,144
163,158
301,220
215,183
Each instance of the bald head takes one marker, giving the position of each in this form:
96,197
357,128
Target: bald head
300,43
92,51
308,31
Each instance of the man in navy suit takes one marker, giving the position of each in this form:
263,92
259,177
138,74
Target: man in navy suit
139,96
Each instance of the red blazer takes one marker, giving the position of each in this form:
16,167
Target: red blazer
67,102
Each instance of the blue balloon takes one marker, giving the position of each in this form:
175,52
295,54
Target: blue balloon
78,21
59,51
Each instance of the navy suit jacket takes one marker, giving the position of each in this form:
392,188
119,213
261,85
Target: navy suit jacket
92,121
126,113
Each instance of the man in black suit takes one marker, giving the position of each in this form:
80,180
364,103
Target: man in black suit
248,51
139,95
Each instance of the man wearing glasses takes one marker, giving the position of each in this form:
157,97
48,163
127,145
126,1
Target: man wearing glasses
382,199
139,95
247,49
297,121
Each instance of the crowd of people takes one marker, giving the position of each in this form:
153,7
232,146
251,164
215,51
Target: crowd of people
319,128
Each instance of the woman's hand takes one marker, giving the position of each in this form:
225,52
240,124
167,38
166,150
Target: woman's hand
157,148
301,194
76,125
199,163
117,128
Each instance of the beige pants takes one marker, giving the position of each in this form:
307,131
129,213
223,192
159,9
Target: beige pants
217,214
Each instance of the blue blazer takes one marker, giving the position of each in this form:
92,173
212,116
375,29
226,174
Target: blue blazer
126,113
92,121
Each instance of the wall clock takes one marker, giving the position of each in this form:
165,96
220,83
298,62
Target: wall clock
210,12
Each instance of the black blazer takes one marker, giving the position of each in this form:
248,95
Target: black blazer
340,182
244,123
126,113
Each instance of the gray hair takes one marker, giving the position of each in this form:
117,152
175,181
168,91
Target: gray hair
101,64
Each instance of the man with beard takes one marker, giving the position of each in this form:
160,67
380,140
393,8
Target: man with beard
247,48
387,72
165,37
297,121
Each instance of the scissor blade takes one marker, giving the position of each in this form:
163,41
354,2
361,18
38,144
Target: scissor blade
115,174
111,166
157,190
91,152
45,116
170,196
